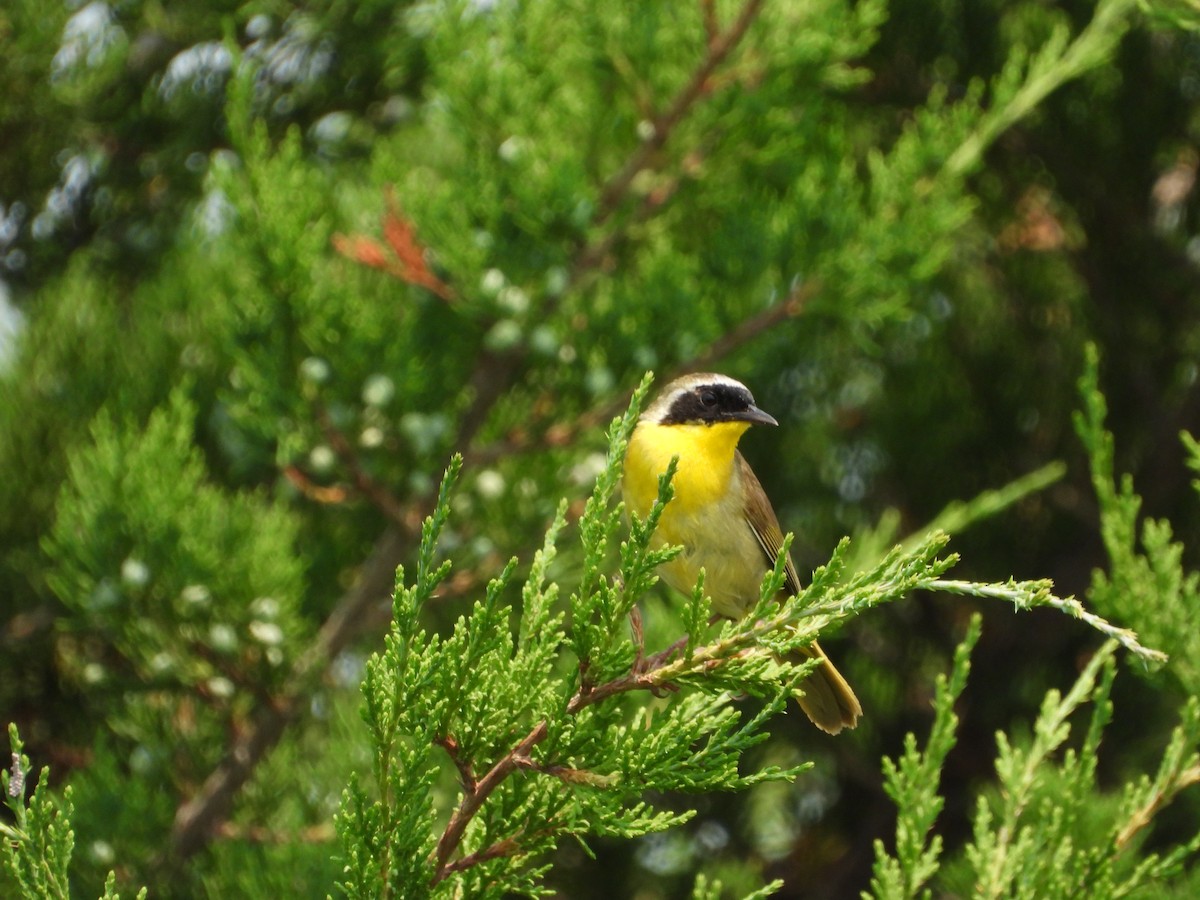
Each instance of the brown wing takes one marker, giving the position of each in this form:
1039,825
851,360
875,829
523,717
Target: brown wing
825,696
765,525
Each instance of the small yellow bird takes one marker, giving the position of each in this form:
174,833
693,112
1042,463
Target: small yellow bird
720,514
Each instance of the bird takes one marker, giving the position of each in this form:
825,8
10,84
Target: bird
721,515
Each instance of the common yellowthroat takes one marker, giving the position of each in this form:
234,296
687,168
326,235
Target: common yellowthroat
720,514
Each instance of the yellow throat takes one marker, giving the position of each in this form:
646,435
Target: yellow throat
704,472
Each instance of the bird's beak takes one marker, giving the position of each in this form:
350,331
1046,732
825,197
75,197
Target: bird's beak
757,416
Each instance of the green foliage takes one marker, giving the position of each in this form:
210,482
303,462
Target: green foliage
39,842
278,262
1052,832
1049,828
499,707
175,583
912,783
1148,587
559,706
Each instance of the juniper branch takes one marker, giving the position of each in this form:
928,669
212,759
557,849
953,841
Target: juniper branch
1026,595
1051,68
1143,815
1019,773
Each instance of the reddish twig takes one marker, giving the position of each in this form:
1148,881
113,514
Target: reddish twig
407,259
375,492
329,495
472,801
466,775
505,847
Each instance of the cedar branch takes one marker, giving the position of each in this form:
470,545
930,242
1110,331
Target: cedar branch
648,677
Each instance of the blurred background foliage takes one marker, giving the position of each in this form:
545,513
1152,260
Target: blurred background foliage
265,265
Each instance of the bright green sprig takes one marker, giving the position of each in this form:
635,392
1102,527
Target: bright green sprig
638,560
428,577
703,889
592,604
912,783
1005,844
539,630
696,615
1146,585
37,846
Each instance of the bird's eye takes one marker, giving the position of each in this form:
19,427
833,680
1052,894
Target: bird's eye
708,398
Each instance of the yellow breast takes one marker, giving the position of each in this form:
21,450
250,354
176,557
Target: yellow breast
707,515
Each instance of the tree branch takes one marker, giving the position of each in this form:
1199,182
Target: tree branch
648,676
473,800
663,126
377,494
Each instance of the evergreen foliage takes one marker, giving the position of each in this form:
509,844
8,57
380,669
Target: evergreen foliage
39,842
278,263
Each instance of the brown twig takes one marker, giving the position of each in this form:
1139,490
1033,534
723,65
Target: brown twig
647,678
466,775
376,493
472,801
328,495
1141,817
505,847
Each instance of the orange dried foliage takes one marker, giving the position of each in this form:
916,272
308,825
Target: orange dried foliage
406,259
329,495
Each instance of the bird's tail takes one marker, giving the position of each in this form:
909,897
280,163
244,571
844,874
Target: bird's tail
827,699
